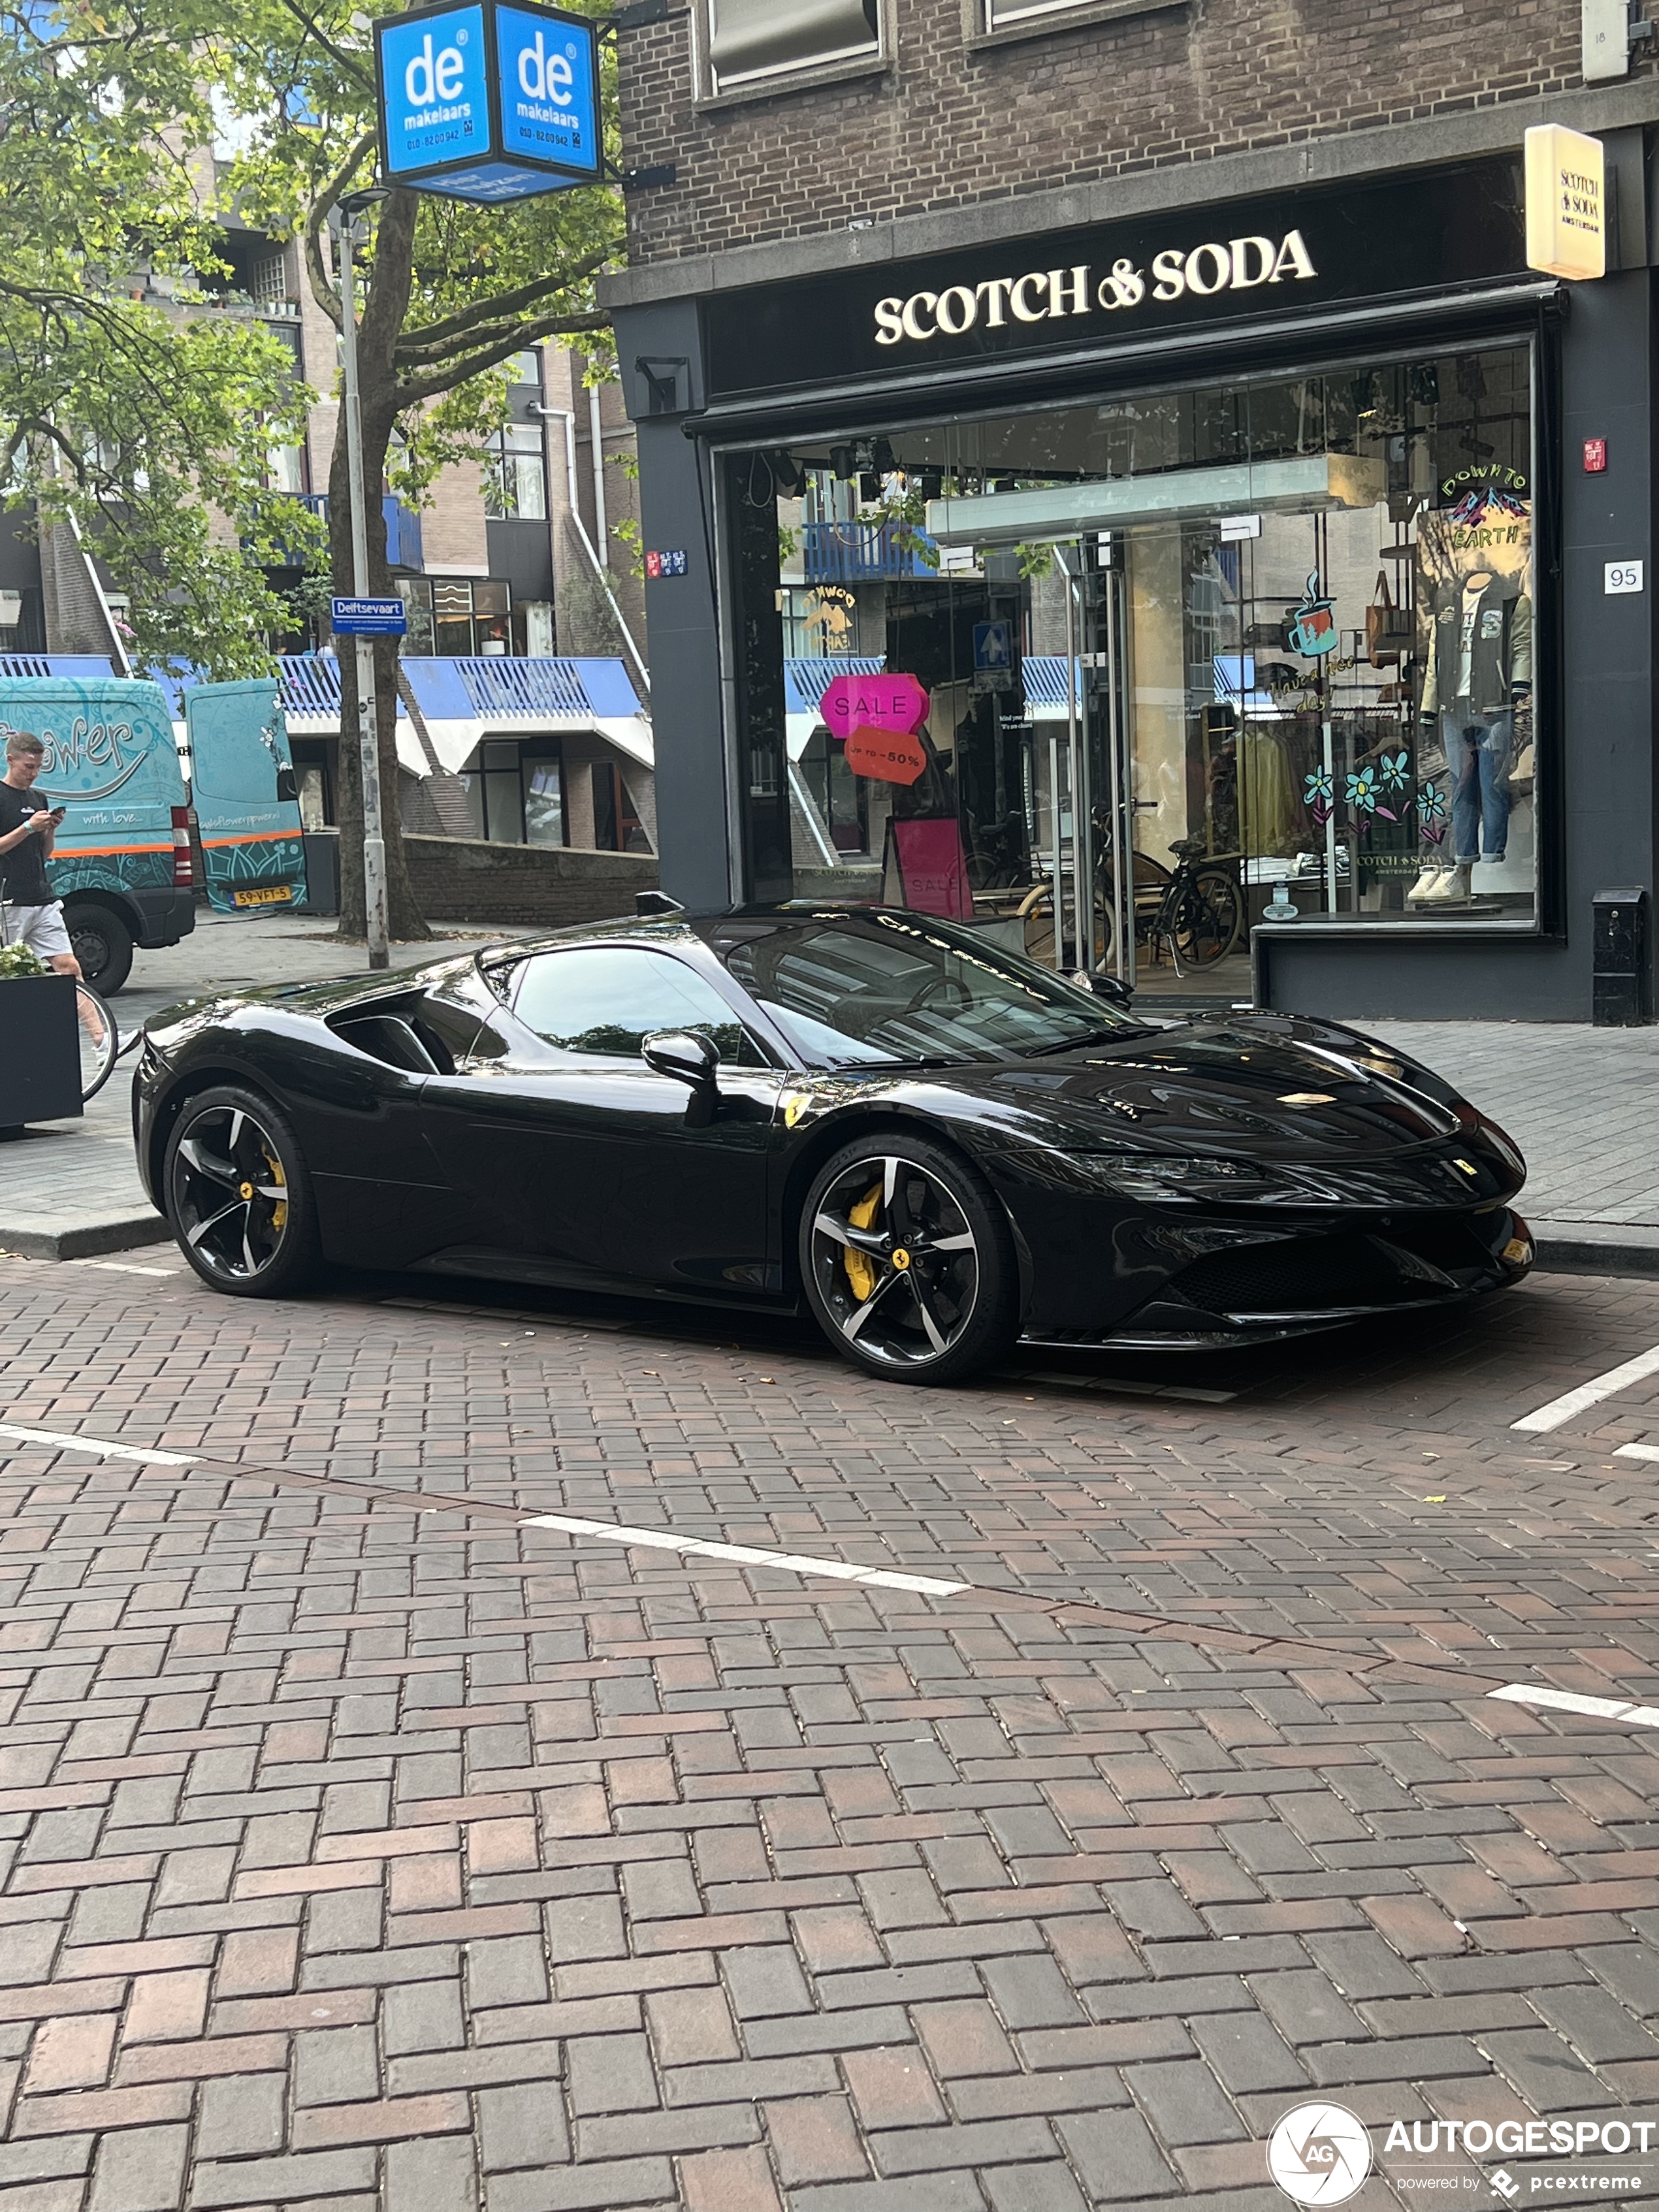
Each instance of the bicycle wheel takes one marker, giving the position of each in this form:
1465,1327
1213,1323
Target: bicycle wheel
1037,917
99,1040
1208,919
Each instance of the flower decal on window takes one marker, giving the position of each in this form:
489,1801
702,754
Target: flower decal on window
1363,789
1394,771
1317,788
1431,810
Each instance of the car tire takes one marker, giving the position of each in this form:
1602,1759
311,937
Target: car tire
907,1262
262,1242
102,942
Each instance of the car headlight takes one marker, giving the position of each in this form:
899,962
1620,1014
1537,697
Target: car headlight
1155,1175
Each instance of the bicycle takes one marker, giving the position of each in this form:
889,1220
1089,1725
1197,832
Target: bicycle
100,1041
1196,907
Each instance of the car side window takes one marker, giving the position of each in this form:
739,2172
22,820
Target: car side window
608,998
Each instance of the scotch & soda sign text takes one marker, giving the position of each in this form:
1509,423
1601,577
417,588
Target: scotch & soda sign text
1235,265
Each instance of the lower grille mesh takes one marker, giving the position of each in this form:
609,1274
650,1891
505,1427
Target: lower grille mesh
1316,1273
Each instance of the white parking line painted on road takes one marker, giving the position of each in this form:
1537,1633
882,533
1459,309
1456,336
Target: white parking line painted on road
98,1447
661,1540
1573,1701
1559,1410
129,1267
1638,1451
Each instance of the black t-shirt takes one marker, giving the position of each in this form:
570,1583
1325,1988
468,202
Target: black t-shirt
23,869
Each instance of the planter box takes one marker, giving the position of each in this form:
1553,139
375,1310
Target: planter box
40,1050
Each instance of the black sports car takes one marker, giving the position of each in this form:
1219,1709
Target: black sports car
938,1146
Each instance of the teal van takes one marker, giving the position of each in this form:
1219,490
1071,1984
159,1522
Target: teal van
122,862
247,800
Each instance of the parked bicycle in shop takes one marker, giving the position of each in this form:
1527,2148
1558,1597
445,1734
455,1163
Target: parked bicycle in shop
1196,907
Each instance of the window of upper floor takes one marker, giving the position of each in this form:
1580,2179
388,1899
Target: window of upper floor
752,42
986,18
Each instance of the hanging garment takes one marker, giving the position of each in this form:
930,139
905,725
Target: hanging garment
1267,797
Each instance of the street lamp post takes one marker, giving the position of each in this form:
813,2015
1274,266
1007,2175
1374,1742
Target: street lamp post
374,899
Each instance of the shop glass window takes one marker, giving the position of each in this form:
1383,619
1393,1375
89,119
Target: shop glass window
495,792
541,774
751,40
608,1000
515,475
1275,639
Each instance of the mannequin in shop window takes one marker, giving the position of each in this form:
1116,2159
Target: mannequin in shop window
1480,676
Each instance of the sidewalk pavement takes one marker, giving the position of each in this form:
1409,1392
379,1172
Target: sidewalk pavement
70,1189
1578,1101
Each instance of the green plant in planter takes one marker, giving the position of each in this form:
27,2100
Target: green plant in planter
18,960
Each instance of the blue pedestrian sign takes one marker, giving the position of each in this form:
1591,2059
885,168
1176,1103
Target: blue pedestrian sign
370,618
994,644
492,100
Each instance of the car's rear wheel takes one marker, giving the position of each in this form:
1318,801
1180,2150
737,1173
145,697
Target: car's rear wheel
238,1195
907,1262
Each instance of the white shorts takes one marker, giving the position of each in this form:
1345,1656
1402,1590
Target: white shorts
40,927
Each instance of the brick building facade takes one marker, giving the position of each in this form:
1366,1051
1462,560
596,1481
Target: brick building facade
1194,350
953,111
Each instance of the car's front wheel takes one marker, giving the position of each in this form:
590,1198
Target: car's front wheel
238,1195
907,1262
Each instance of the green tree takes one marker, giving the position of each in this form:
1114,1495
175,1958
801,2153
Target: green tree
149,425
448,293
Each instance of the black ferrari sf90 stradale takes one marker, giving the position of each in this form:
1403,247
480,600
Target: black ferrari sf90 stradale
939,1147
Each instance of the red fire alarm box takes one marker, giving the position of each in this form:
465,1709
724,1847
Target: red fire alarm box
1596,456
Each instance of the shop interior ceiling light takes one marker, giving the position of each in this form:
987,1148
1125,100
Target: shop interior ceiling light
1017,518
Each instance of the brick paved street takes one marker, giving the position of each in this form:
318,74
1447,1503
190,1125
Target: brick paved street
367,1848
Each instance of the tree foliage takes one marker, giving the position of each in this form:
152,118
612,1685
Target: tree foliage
450,292
148,422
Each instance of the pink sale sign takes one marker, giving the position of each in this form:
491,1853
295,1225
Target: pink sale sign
873,702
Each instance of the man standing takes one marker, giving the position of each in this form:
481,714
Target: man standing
28,826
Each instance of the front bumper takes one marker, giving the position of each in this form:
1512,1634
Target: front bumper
1293,1283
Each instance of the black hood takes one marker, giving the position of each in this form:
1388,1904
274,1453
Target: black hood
1253,1084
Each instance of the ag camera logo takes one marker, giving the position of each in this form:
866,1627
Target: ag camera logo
1320,2153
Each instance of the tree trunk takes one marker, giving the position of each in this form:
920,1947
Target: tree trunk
381,319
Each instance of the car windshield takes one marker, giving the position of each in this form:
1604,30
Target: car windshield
870,989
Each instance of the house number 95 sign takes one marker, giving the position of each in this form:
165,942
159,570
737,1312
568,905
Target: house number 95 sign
1621,576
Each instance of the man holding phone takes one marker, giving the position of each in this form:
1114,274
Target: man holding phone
28,826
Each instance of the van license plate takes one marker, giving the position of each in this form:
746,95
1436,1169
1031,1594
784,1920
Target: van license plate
275,894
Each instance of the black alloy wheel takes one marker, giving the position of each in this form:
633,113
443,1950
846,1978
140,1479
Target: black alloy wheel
907,1262
238,1195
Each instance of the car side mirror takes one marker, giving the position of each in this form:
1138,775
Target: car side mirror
288,784
1113,988
687,1057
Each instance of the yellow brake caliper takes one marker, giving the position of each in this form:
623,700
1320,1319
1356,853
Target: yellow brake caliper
279,1210
860,1268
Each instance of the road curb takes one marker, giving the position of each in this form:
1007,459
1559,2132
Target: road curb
1595,1247
87,1239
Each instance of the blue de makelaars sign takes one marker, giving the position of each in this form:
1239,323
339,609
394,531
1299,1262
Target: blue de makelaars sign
370,618
494,100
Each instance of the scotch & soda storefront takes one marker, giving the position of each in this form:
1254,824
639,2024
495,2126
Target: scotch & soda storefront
1232,555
